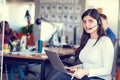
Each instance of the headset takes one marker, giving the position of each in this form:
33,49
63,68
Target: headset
99,20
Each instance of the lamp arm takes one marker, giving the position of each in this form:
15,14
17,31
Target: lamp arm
53,35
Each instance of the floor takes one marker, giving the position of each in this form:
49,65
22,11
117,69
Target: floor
30,76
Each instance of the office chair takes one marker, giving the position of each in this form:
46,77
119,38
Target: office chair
28,71
73,59
115,61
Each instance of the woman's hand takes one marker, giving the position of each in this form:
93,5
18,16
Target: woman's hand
73,68
77,72
80,73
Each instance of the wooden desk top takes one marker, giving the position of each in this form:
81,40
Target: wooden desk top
61,51
28,56
38,56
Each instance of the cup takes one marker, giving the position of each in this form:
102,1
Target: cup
40,42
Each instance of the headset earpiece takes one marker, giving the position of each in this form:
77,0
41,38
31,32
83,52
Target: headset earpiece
99,21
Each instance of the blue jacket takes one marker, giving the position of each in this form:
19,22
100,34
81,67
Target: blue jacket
111,35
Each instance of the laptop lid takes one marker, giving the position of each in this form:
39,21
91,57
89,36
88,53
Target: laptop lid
55,61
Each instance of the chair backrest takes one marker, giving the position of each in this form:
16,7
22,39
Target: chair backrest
114,68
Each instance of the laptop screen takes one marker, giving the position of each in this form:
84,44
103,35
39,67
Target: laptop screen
55,61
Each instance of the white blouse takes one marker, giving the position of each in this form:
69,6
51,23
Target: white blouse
98,58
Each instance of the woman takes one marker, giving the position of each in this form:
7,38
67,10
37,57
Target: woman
96,51
9,33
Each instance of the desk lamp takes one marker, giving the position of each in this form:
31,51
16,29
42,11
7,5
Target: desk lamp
49,30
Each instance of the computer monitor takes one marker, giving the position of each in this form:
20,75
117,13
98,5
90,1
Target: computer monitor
50,31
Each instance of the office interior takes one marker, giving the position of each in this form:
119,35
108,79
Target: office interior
65,12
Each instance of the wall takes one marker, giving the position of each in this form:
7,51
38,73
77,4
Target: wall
110,8
67,12
15,12
119,24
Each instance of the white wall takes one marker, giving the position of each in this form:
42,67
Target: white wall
110,8
15,13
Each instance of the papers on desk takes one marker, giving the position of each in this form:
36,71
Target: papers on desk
12,52
27,52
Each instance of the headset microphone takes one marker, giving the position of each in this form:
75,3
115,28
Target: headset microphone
92,27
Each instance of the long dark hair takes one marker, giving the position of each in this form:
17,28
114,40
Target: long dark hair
85,36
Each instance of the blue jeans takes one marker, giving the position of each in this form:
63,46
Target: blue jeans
12,68
64,76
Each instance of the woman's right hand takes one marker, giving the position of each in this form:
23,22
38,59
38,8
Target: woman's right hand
73,68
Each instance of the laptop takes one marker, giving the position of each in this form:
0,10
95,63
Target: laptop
56,61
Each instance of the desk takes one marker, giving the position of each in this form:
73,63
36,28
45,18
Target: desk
37,58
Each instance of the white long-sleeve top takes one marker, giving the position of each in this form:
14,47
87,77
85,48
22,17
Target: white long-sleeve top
98,59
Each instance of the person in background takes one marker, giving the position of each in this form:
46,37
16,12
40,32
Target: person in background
10,35
96,52
105,25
